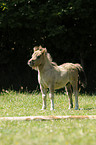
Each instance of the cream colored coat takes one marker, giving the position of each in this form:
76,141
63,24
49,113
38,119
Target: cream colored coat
52,76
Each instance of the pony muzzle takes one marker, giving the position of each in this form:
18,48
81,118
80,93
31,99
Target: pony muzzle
31,63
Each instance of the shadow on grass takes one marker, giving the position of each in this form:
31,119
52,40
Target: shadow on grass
89,108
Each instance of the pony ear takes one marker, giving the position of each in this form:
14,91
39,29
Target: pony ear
35,48
44,51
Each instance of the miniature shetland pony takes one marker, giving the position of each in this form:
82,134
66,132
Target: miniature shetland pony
52,76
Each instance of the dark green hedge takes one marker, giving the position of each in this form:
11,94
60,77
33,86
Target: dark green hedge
67,28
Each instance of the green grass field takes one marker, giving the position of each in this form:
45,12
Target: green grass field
53,132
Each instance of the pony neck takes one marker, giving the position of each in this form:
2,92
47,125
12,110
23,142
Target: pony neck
45,65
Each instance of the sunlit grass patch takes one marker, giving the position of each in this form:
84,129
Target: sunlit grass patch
66,131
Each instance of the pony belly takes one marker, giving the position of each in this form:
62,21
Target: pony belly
59,85
61,81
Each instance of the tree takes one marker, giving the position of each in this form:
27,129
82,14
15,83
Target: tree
66,28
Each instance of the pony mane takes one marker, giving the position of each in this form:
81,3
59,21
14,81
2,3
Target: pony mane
50,59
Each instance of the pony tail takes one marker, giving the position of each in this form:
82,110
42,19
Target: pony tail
82,80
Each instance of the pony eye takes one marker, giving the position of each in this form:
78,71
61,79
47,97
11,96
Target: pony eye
38,57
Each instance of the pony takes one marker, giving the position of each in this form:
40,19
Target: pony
52,77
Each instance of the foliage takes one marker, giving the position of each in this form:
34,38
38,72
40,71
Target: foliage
68,131
64,27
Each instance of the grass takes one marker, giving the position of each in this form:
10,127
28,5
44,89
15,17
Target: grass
57,132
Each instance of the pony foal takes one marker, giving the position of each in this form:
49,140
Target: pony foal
52,76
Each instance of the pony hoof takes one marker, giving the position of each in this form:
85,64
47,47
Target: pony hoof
43,109
52,109
76,108
70,108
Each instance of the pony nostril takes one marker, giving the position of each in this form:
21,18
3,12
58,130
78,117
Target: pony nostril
29,62
32,61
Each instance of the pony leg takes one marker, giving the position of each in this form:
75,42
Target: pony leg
52,100
69,93
44,91
44,101
76,100
75,90
51,95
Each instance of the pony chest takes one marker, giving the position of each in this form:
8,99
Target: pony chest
42,81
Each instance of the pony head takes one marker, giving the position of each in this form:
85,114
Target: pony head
37,57
39,48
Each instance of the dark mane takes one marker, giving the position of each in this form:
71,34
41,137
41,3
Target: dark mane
50,59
